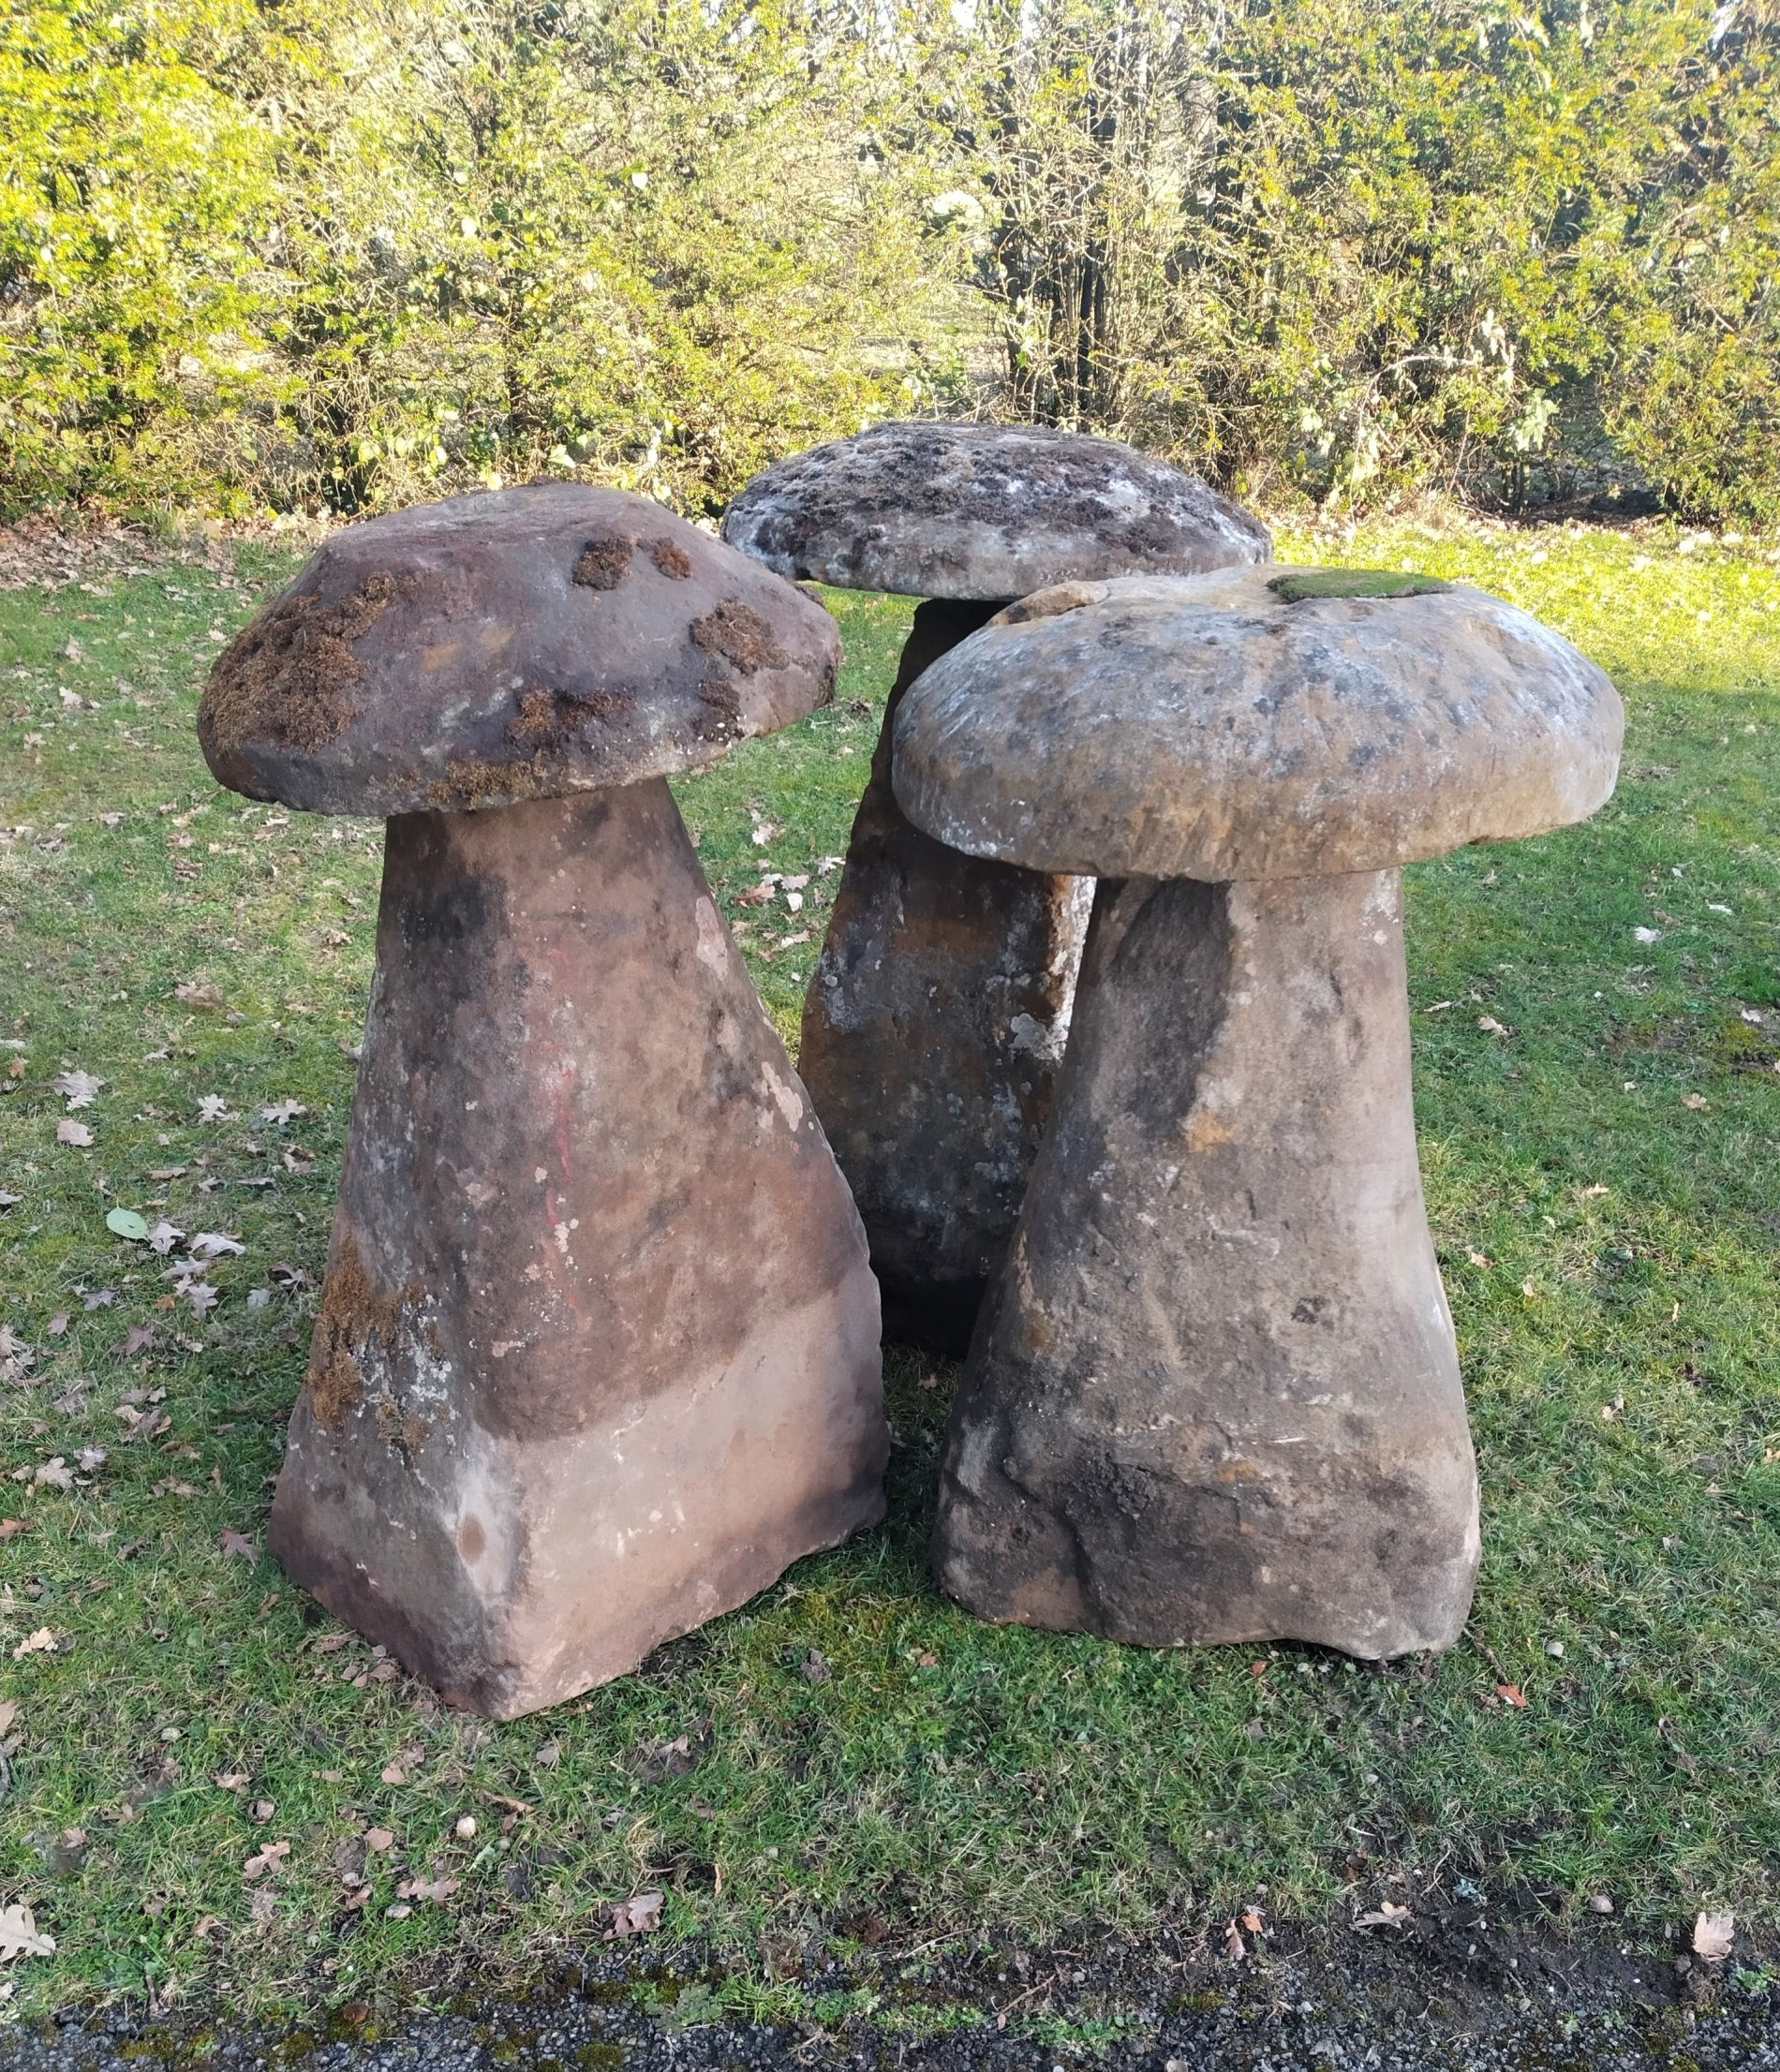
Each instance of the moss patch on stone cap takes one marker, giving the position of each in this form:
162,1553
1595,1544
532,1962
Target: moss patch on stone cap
1304,583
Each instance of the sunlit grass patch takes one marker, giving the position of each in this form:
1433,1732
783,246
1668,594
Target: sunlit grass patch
1600,1168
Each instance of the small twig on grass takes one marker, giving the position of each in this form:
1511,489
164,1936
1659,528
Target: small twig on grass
1488,1654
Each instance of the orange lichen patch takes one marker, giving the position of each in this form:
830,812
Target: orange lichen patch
546,719
732,629
354,1314
673,560
286,679
604,562
468,785
536,720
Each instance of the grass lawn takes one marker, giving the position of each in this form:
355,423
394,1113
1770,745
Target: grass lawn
1599,1111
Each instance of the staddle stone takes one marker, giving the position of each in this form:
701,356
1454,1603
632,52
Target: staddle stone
597,1352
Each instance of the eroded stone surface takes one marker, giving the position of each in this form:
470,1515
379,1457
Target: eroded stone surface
1214,1395
597,1355
983,510
933,1029
1211,728
517,644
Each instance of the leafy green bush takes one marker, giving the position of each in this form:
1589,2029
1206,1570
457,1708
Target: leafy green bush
132,190
289,255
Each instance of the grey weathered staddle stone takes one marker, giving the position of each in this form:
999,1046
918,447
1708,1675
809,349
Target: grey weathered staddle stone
1214,1393
937,1014
597,1351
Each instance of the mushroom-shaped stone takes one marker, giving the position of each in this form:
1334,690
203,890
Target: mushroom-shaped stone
597,1351
1214,1394
936,1018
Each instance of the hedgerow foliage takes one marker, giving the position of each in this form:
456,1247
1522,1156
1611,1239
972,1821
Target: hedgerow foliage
292,253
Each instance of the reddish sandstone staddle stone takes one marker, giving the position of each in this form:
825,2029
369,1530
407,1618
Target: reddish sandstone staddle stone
597,1353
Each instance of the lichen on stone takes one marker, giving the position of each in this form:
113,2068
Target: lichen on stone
355,1314
287,679
604,562
739,634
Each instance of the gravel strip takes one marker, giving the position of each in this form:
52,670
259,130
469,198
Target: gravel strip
1327,2003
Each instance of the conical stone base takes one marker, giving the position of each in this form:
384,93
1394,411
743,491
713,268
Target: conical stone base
933,1031
596,1355
1214,1394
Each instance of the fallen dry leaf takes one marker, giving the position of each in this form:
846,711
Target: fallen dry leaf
1694,1101
76,1134
437,1890
8,1713
197,992
264,1860
212,1108
1713,1936
637,1915
80,1089
1490,1026
42,1642
394,1774
238,1543
1511,1694
1388,1913
20,1935
378,1839
57,1324
230,1780
1234,1946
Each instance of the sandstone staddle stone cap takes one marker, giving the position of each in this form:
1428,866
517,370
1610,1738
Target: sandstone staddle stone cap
1252,724
983,510
517,644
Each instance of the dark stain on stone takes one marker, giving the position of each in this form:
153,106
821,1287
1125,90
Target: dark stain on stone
722,707
672,559
287,679
604,562
739,634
